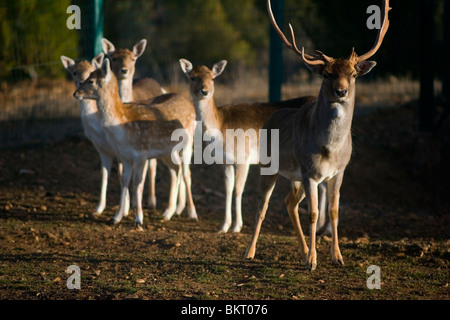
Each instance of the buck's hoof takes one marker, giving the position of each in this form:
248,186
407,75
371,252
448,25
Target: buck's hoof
249,253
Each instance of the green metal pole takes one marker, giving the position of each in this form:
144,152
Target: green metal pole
92,27
98,27
276,54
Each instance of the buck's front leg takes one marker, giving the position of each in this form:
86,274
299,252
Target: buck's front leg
267,185
124,194
334,186
292,201
310,186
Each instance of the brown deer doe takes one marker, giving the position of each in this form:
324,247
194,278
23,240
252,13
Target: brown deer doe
141,131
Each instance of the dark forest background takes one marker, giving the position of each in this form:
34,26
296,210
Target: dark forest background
33,33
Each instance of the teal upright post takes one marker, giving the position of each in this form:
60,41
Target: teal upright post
97,25
92,32
276,54
98,30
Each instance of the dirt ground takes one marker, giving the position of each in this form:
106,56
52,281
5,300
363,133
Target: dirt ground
394,214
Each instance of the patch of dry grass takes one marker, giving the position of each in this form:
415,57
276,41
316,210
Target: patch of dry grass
49,99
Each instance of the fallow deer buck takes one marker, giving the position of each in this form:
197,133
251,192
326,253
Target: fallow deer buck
93,129
315,141
141,131
242,118
123,65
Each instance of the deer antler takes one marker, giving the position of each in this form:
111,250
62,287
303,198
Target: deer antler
380,36
311,60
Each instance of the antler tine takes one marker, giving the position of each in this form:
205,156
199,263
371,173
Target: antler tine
315,61
323,56
278,30
381,33
292,46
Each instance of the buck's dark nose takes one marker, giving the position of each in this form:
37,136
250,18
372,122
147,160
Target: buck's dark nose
124,70
204,92
341,92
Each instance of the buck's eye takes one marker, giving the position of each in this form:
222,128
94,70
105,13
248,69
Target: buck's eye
91,81
74,73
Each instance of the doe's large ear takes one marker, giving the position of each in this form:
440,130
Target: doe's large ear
67,62
106,69
139,48
98,60
186,66
364,67
218,68
107,46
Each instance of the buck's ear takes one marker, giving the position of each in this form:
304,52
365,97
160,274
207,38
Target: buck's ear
98,60
139,48
218,68
67,62
316,68
186,66
107,46
364,67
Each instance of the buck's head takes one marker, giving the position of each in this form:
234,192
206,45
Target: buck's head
123,61
338,74
100,83
201,78
80,71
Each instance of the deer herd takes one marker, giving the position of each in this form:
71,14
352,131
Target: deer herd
134,122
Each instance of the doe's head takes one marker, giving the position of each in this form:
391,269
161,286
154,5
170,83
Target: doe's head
123,61
101,82
81,70
201,78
